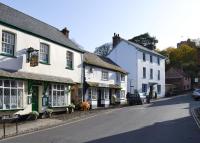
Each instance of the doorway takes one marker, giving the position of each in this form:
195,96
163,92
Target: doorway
35,95
99,98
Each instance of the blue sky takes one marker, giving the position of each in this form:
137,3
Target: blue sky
93,22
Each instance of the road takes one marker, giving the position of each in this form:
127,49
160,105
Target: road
164,121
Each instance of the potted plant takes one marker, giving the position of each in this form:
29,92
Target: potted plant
71,108
33,115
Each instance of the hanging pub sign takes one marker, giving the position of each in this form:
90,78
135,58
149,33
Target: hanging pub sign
32,56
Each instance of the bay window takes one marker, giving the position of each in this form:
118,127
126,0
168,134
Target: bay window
11,94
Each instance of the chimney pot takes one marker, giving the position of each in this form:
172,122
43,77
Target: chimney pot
65,31
116,39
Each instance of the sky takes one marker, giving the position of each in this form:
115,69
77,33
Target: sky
93,22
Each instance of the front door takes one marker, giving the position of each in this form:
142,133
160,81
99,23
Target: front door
151,91
99,98
35,98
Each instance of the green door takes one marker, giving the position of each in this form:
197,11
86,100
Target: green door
35,98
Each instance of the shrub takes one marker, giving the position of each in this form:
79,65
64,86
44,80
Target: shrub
33,115
71,108
49,112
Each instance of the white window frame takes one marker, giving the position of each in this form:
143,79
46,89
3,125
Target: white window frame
105,93
158,60
122,77
17,88
151,73
44,53
56,90
158,74
144,72
144,56
151,59
159,91
122,94
104,75
93,93
69,60
9,42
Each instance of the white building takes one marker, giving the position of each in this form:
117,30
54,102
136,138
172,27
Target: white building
105,81
38,64
146,67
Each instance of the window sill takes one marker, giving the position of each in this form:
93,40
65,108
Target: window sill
69,68
44,63
7,55
5,110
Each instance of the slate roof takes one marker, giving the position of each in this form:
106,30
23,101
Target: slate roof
103,62
143,48
33,76
26,23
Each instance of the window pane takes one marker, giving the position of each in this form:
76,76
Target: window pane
69,58
20,83
6,83
6,98
1,83
13,99
13,83
8,43
1,98
44,52
20,98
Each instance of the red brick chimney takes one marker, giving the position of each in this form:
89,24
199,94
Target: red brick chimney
65,31
116,39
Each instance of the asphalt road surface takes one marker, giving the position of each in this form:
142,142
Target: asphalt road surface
164,121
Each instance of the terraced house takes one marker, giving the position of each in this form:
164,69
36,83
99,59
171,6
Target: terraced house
38,64
105,81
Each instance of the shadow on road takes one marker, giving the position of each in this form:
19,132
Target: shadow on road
179,100
180,130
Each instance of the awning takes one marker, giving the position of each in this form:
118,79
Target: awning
34,76
95,84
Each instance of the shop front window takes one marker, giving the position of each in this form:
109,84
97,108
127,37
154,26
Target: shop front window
11,94
57,95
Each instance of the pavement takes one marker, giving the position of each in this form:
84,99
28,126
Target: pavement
163,121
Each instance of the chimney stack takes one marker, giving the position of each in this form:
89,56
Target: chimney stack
65,31
116,39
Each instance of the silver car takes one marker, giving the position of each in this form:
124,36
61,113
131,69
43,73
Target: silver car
196,94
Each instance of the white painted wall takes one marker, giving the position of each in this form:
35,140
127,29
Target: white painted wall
97,73
95,76
57,65
130,58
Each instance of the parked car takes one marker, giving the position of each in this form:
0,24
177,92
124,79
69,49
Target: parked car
136,98
196,94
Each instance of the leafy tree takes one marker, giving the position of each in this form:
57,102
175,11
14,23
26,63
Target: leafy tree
184,57
104,49
145,40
